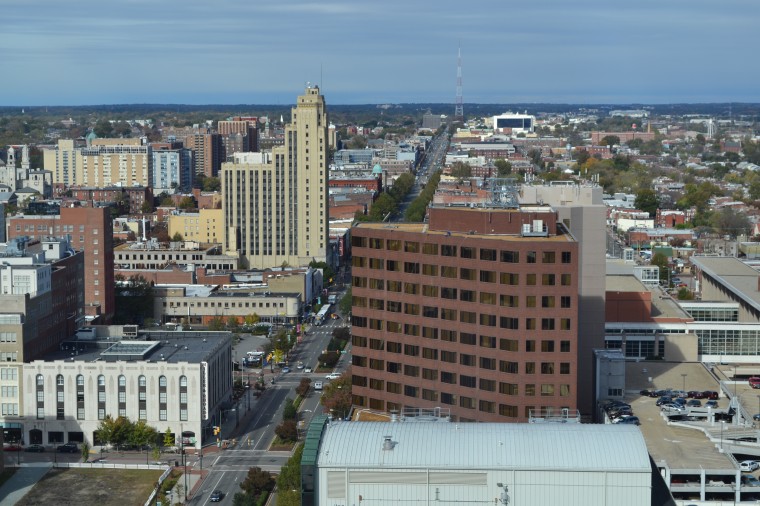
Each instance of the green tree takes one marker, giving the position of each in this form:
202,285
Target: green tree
216,323
85,451
610,140
142,434
147,207
461,170
177,237
187,203
727,221
345,303
252,319
134,300
232,323
503,167
685,294
212,184
646,200
103,128
328,274
168,438
289,480
661,261
336,396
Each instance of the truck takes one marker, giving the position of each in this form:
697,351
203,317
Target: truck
332,299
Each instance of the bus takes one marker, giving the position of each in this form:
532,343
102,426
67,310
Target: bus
322,315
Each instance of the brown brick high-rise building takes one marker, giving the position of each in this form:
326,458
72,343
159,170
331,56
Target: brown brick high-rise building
90,230
476,312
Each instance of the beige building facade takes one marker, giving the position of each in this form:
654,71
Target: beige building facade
106,162
276,212
205,226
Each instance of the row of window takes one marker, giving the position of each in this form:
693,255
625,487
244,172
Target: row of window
512,389
546,301
465,359
226,304
505,344
447,250
486,320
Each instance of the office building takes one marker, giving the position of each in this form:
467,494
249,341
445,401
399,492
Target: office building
207,152
248,130
475,311
89,229
175,380
510,123
206,226
276,212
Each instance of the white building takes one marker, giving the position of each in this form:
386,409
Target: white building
445,463
514,123
175,380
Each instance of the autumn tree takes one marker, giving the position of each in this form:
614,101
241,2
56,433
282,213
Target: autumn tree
257,481
336,396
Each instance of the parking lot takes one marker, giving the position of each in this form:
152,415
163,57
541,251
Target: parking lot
681,448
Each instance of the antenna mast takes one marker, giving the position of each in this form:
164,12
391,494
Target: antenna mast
459,109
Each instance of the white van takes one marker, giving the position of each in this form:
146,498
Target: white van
317,385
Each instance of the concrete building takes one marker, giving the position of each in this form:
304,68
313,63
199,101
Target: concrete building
201,304
246,128
153,255
172,169
476,311
206,226
175,380
511,123
88,229
437,463
207,152
276,212
105,162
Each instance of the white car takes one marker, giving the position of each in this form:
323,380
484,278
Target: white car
332,376
307,370
748,465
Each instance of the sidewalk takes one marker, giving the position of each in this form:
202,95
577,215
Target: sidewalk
194,484
22,482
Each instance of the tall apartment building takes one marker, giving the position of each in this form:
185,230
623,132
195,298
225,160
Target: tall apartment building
105,162
207,152
89,229
276,211
476,311
172,167
247,127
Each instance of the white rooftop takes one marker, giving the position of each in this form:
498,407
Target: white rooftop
484,445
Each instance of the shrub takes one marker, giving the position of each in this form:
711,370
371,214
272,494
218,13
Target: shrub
287,431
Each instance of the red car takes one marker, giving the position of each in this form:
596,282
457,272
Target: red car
710,394
754,382
13,448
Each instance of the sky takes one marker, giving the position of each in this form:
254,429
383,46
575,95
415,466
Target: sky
87,52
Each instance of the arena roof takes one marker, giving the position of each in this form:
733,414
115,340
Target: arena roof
484,446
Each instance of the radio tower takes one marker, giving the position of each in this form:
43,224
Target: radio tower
458,108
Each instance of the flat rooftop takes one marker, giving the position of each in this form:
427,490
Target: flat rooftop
738,277
159,346
423,228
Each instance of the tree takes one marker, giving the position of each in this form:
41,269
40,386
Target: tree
729,222
85,451
685,294
216,323
287,431
661,261
610,140
303,387
187,203
168,438
647,200
212,184
232,323
134,300
336,396
461,170
142,434
289,411
103,128
147,207
177,237
344,305
252,319
257,481
289,480
503,167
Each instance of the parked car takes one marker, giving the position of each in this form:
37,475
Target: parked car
307,370
332,376
216,496
629,420
665,399
756,417
750,481
748,465
673,407
680,400
754,382
300,365
696,394
711,404
285,369
68,448
711,394
13,448
35,448
694,403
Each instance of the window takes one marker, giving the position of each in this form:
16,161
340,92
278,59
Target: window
448,272
530,390
488,363
430,311
530,279
394,286
393,347
467,295
530,301
448,251
374,243
467,317
488,254
511,257
467,338
508,344
564,368
547,346
564,390
508,278
567,257
162,414
488,276
447,398
429,270
508,388
564,346
531,257
468,381
412,309
564,323
466,252
564,301
393,306
411,350
489,320
547,367
411,267
392,266
449,335
429,395
565,280
411,247
548,257
411,370
394,245
467,402
547,323
547,390
429,248
547,279
530,345
508,411
449,293
530,324
376,284
509,300
430,353
487,385
448,377
530,368
449,356
468,274
429,374
448,314
410,391
429,291
487,298
488,341
506,322
468,360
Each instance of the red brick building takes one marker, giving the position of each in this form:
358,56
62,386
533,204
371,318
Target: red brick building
476,312
90,229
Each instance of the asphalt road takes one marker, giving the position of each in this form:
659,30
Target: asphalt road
228,468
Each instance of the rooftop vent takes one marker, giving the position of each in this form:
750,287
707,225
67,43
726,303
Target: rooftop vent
388,443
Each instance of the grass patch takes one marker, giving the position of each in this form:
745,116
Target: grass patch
6,475
279,445
104,487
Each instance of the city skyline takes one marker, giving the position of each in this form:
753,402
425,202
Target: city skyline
234,52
